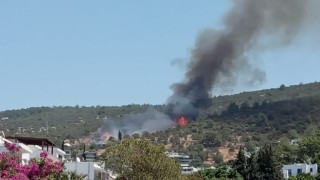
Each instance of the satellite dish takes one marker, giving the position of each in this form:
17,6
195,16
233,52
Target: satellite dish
78,159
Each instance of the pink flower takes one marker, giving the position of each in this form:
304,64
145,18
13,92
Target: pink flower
5,172
38,168
43,154
11,147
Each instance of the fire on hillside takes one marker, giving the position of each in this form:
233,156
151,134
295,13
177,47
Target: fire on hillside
182,121
223,58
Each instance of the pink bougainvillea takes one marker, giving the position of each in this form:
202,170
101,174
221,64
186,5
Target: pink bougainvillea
44,154
37,168
11,147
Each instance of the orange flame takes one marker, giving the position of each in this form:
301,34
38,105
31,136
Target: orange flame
182,121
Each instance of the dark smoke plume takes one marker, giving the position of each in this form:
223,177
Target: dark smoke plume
218,54
221,57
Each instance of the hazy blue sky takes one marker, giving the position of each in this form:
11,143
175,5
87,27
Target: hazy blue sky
116,52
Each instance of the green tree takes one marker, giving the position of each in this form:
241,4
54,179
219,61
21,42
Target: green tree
175,140
293,134
282,87
309,147
251,146
252,167
136,136
211,139
233,108
240,163
245,107
92,146
203,155
289,153
218,158
263,120
316,159
140,159
269,166
221,172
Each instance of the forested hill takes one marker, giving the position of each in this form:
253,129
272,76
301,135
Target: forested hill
281,93
62,122
76,122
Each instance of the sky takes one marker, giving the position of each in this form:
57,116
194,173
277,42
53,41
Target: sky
88,53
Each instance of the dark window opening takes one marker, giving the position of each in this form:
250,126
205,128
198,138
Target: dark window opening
299,171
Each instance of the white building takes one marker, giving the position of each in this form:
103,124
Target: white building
295,169
184,162
92,170
31,147
294,142
175,155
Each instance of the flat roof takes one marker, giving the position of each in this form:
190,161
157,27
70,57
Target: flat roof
32,140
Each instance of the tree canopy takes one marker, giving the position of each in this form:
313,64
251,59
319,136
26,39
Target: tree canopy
222,172
140,159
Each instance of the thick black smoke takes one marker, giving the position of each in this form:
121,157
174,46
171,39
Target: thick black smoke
218,54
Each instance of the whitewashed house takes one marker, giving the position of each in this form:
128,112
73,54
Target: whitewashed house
32,147
92,170
295,169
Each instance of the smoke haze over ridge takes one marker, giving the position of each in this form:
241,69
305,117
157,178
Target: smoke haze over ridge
220,56
152,120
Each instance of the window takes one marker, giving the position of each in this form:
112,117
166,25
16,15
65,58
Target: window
311,170
299,171
289,172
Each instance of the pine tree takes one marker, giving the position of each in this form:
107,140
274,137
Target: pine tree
119,136
269,166
252,168
241,163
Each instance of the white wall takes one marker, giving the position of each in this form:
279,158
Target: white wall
30,151
81,168
294,169
25,157
57,152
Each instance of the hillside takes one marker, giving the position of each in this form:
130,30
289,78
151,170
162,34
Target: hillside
281,93
223,134
62,122
77,122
